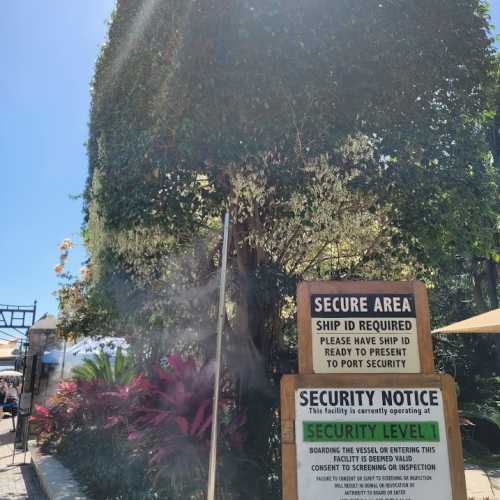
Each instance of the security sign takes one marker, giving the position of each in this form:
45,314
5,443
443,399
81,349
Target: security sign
364,333
384,443
356,437
363,327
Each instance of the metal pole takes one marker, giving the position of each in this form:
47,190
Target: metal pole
64,358
30,411
218,355
25,359
18,433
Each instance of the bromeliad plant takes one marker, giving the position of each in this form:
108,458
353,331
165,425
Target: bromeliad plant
166,417
172,421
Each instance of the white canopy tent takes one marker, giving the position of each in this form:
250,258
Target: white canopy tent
86,348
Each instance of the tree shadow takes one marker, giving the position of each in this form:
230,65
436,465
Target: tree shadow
7,437
33,487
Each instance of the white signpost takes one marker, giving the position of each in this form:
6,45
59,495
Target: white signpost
371,443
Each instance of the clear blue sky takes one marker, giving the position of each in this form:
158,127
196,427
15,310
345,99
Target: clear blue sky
47,55
47,52
495,18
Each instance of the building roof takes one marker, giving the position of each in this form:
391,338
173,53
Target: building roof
8,349
49,322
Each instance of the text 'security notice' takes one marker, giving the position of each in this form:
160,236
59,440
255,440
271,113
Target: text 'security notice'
371,333
375,444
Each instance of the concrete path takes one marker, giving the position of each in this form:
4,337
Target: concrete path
18,481
494,476
478,483
482,483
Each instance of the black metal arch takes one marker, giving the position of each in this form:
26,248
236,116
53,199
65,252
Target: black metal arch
17,317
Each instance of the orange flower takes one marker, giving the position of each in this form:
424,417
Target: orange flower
66,244
59,268
84,273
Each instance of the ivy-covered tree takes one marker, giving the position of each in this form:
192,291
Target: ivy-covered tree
345,138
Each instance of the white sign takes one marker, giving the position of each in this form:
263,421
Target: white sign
25,402
375,444
371,333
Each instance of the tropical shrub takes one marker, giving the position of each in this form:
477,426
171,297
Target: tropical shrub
105,465
160,423
78,405
122,372
171,422
60,417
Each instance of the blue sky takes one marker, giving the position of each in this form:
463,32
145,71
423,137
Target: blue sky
495,18
48,50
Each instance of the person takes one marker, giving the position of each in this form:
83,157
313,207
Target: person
11,394
11,399
3,391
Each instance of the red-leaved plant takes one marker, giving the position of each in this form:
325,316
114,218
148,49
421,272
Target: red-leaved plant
62,414
78,405
172,416
166,416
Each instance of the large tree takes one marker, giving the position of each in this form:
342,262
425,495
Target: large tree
344,137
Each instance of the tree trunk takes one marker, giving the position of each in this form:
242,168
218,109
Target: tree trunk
477,281
491,275
256,395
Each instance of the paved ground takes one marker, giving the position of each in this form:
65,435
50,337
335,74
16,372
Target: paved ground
18,481
482,484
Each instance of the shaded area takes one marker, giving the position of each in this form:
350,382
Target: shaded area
18,480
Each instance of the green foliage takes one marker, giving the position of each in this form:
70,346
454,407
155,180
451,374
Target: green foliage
195,92
185,110
83,310
156,427
347,140
105,467
100,369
